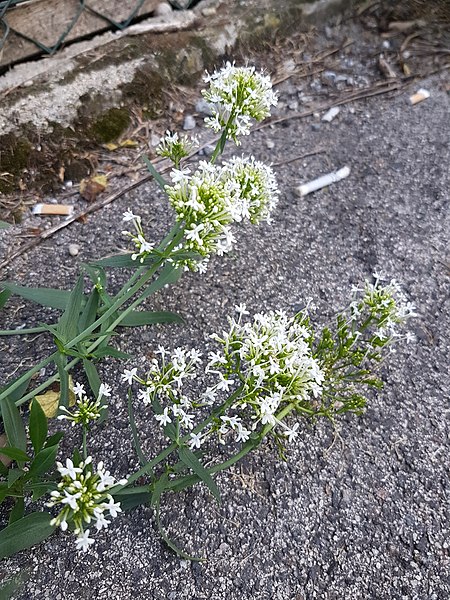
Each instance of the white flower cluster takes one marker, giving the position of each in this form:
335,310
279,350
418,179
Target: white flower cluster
270,358
143,248
212,198
176,147
275,362
85,498
258,189
386,305
237,95
163,384
86,410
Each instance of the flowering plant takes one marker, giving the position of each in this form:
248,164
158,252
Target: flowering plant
266,370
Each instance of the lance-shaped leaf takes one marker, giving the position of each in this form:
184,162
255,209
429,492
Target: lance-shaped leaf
137,318
53,298
15,431
25,532
68,323
191,461
38,426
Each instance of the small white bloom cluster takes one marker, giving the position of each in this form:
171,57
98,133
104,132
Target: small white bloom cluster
85,498
276,366
269,357
258,189
237,95
163,384
387,307
143,248
176,147
212,198
86,410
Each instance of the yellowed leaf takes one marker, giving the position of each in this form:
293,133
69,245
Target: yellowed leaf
129,144
50,400
111,147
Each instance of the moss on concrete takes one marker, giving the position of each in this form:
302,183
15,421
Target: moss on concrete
110,125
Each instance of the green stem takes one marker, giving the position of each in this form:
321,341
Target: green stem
147,467
84,443
23,331
137,445
131,291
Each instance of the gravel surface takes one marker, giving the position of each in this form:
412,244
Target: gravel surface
359,512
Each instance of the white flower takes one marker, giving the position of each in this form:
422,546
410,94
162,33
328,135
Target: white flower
129,216
291,433
224,384
164,418
243,434
104,390
128,375
113,507
84,541
179,175
195,441
236,95
69,470
241,309
78,389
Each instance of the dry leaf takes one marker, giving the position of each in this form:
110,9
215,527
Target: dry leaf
50,400
129,144
91,188
111,147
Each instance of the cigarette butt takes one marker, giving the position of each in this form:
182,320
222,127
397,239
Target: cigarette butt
419,96
324,181
330,114
52,209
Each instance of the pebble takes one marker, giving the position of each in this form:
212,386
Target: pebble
154,140
201,106
163,8
270,144
293,105
330,114
209,11
189,123
207,150
74,249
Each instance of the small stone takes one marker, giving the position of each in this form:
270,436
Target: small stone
207,150
270,144
189,123
209,11
74,249
201,106
328,32
154,140
293,105
162,9
315,126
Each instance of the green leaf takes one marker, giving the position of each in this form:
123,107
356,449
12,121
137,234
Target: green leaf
169,274
158,178
25,532
15,453
54,439
125,260
38,426
131,497
159,488
68,323
43,462
4,490
92,374
4,297
20,390
191,461
14,475
39,489
4,225
17,510
89,312
145,317
61,362
15,431
50,297
110,351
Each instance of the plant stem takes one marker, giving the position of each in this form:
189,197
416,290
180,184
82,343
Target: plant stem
23,331
84,443
137,445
